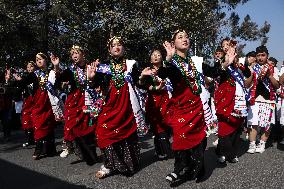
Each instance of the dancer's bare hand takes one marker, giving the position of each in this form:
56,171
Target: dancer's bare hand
170,48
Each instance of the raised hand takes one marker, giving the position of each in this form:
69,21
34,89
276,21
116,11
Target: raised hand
8,75
170,48
91,71
270,70
230,56
161,85
147,71
54,60
17,77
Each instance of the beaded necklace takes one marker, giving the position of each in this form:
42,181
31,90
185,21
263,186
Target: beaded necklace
79,78
117,72
231,81
42,78
192,79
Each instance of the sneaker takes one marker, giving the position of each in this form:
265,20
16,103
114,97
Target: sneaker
252,148
221,159
64,153
260,148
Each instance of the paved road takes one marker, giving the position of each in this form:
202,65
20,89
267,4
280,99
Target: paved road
18,170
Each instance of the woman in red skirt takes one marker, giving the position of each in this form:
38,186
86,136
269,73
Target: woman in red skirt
230,102
43,119
185,110
78,128
27,123
157,100
116,126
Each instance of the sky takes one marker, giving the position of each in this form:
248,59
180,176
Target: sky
273,12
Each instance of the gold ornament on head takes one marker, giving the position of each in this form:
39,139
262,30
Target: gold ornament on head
76,48
176,32
41,55
31,62
114,39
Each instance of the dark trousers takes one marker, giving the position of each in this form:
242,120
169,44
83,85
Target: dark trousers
162,144
45,146
229,145
5,117
87,148
190,161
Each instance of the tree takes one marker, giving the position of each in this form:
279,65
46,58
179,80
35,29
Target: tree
30,26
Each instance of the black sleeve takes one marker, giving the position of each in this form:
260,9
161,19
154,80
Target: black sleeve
27,80
65,75
214,71
162,73
136,72
100,79
246,71
171,72
30,78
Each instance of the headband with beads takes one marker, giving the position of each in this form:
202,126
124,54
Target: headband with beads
114,38
31,62
42,55
176,32
76,47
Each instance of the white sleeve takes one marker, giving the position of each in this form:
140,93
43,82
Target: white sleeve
276,74
281,71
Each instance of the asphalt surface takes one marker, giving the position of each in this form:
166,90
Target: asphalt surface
19,170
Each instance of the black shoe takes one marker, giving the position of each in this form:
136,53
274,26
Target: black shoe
38,150
172,177
234,160
162,157
200,176
282,142
26,144
221,159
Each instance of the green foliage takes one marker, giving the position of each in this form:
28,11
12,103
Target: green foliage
31,26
